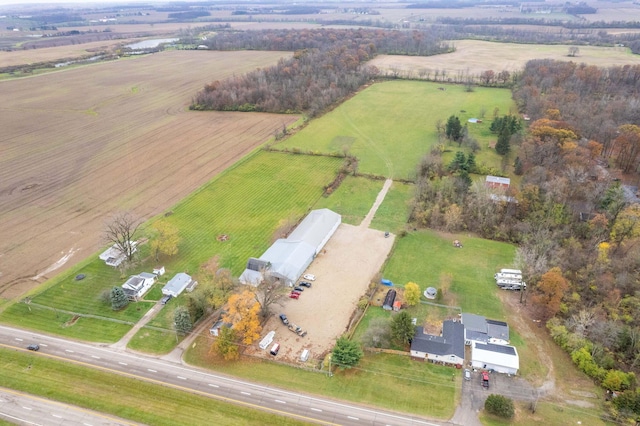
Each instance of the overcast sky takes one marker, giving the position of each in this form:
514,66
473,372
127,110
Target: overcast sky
70,2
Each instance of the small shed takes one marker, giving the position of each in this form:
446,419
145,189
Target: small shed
397,305
389,299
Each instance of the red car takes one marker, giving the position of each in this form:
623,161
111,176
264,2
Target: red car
485,379
294,295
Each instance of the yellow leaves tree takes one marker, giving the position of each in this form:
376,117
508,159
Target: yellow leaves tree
243,314
626,226
166,239
549,292
411,293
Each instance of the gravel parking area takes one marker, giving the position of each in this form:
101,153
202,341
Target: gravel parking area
343,271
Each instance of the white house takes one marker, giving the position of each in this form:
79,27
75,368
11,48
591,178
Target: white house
178,284
499,358
138,285
447,348
113,256
479,329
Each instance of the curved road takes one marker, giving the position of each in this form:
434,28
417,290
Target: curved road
227,389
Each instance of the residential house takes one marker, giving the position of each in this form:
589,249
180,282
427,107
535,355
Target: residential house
447,348
138,285
479,329
497,182
113,256
178,284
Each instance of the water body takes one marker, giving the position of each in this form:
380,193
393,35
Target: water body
151,44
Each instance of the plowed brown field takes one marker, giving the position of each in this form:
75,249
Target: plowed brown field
80,144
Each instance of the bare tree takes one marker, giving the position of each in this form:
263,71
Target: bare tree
121,231
269,292
573,51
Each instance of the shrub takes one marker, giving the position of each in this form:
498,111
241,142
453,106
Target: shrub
499,405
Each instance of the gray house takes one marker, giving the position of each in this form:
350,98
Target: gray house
479,329
178,284
447,348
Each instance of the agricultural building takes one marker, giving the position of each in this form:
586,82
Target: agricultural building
500,358
137,285
389,299
113,256
497,182
289,257
178,284
446,349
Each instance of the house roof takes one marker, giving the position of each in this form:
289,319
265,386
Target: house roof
147,275
503,355
498,329
474,322
315,227
498,180
481,329
135,282
450,343
177,284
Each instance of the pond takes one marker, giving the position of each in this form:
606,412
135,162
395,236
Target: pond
151,44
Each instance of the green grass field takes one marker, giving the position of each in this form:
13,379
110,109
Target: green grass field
352,199
389,381
246,202
120,396
393,213
389,126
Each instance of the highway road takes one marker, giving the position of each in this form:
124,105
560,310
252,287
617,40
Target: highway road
228,389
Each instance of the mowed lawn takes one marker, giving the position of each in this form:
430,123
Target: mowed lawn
246,203
353,199
389,126
424,256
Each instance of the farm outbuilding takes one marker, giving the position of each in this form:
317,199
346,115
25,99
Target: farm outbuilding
389,299
499,358
289,257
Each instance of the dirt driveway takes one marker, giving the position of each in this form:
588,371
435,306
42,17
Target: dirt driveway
343,270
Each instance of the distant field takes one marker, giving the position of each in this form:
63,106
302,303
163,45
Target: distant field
389,126
353,199
246,203
474,57
83,143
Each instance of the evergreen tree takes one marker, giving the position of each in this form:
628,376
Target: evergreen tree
346,353
471,163
459,162
402,328
182,320
502,146
119,299
499,405
517,167
453,128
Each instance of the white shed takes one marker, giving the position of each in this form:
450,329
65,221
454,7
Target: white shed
499,358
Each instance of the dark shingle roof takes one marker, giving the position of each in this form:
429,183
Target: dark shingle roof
450,343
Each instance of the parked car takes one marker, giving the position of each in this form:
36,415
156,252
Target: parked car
274,349
467,374
165,299
284,319
296,292
298,289
305,284
309,277
294,295
33,347
485,379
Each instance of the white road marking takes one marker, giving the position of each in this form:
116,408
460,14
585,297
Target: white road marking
352,418
152,371
317,409
281,402
19,419
213,386
19,339
56,416
182,378
95,356
69,350
123,363
87,424
245,393
42,344
27,408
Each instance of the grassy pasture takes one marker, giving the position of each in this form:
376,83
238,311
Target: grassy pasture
475,56
387,381
124,397
246,203
393,213
109,137
352,199
389,126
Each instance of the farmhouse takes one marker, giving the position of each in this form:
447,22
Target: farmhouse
113,256
497,182
137,285
215,328
479,329
178,284
289,257
447,348
500,358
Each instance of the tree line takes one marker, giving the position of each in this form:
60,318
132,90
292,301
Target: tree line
327,66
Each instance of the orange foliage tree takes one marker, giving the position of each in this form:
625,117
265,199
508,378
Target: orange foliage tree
549,292
243,314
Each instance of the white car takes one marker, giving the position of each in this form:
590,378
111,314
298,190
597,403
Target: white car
309,277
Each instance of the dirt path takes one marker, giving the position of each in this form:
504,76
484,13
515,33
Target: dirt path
366,222
121,344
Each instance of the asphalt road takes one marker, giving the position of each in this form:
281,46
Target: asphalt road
23,409
267,398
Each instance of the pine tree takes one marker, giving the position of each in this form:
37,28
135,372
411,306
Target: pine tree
453,128
402,328
119,299
346,353
502,146
182,320
471,163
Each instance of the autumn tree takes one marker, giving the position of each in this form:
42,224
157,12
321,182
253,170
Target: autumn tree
402,328
119,299
225,344
346,353
120,231
165,240
626,226
270,291
627,146
411,293
243,314
549,292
